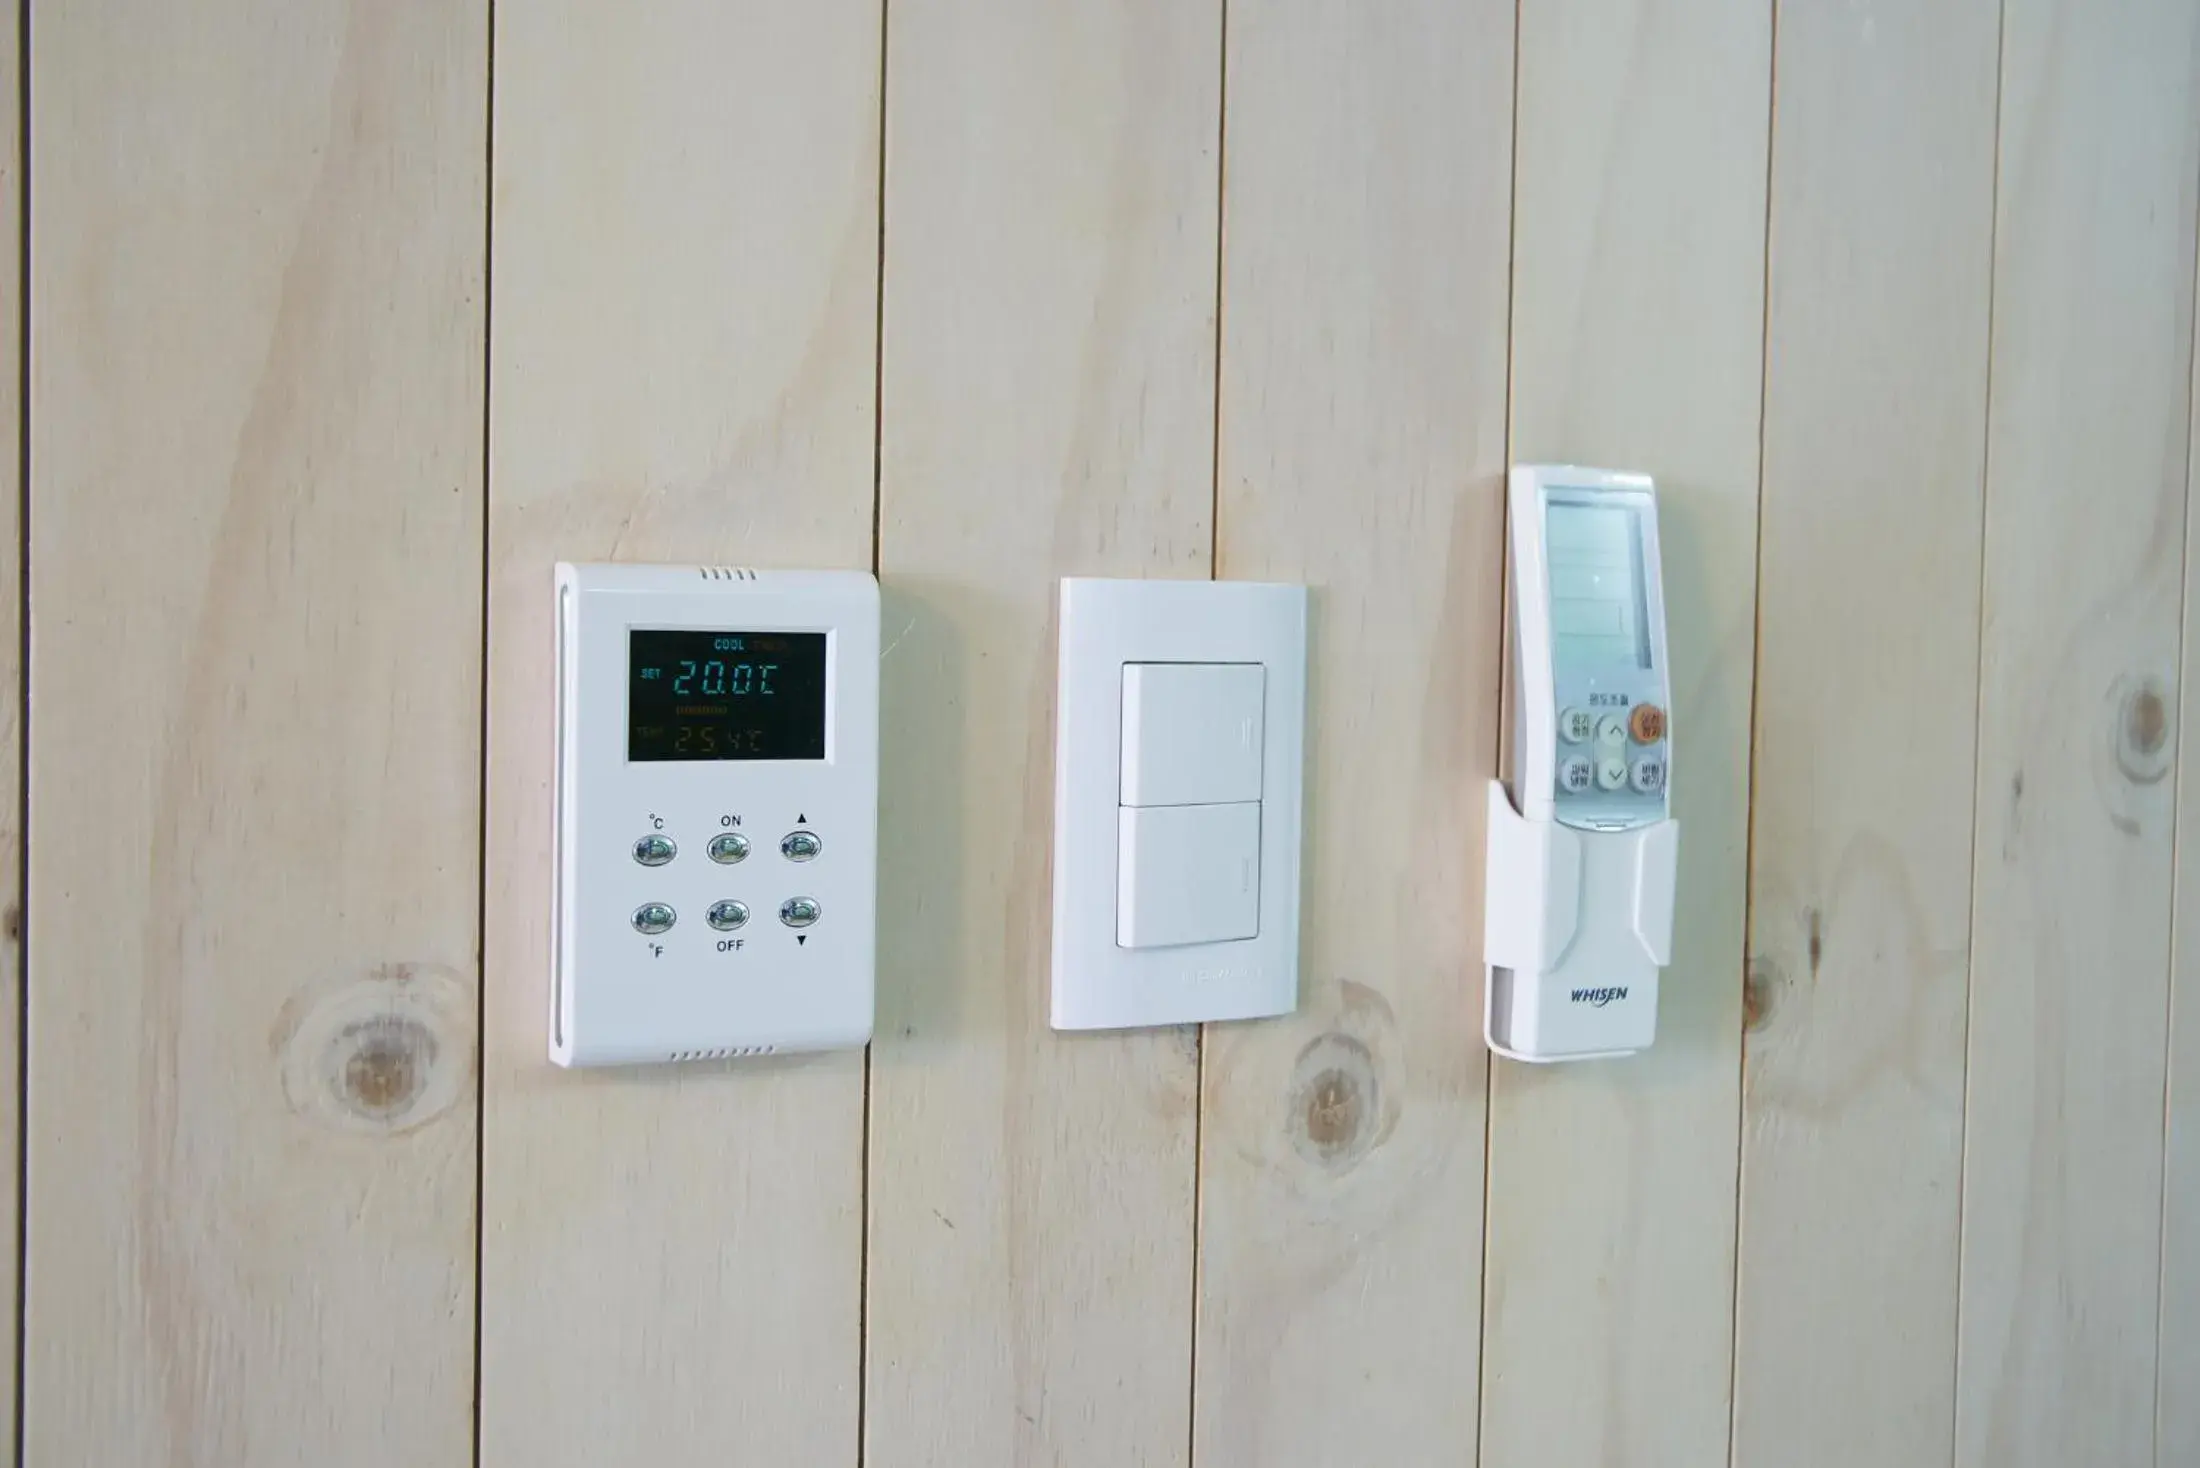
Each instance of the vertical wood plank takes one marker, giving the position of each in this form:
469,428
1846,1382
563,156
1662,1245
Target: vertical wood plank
2177,1405
1047,410
255,522
1362,451
12,687
2086,483
685,258
1867,708
1638,281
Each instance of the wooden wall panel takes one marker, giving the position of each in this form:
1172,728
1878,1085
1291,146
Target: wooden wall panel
2089,413
686,262
255,519
1867,714
1252,289
1638,291
1362,451
1047,410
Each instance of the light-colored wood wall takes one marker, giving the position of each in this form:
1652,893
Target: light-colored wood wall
330,326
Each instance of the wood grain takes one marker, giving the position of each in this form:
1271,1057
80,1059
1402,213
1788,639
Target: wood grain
1638,301
257,298
2085,495
1047,410
1867,710
1362,452
685,256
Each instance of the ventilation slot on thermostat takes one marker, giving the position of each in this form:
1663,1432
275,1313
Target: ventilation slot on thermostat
725,573
724,1052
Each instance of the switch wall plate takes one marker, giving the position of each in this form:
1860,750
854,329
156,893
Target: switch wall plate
1107,626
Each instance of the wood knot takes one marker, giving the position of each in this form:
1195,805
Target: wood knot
2142,738
12,923
2146,722
1335,1110
1333,1107
386,1061
387,1053
1758,987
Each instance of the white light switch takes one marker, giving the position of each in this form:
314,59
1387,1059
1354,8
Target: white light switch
1191,732
1180,719
1187,874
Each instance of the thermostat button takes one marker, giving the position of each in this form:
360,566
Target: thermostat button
726,916
1613,730
653,917
1612,773
1575,726
655,851
800,845
1576,774
728,847
799,912
1649,776
1647,723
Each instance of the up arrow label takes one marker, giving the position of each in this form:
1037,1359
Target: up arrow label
801,820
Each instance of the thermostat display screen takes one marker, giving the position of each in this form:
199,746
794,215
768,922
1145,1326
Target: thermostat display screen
725,695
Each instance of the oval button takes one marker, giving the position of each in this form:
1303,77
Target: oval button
728,915
1647,723
1612,773
655,851
728,847
800,845
799,912
653,917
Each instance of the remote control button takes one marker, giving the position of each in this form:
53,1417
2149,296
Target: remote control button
653,917
1612,773
1647,723
1576,774
655,851
800,845
728,915
728,847
1612,731
1649,776
1575,726
799,912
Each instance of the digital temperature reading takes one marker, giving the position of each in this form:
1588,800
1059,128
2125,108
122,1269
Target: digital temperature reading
725,695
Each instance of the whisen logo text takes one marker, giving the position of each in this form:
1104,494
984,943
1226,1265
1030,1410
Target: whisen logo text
1599,997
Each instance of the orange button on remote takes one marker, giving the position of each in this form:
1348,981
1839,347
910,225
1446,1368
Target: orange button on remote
1647,723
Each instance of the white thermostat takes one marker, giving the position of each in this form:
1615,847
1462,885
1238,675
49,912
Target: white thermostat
1579,885
1180,711
716,812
